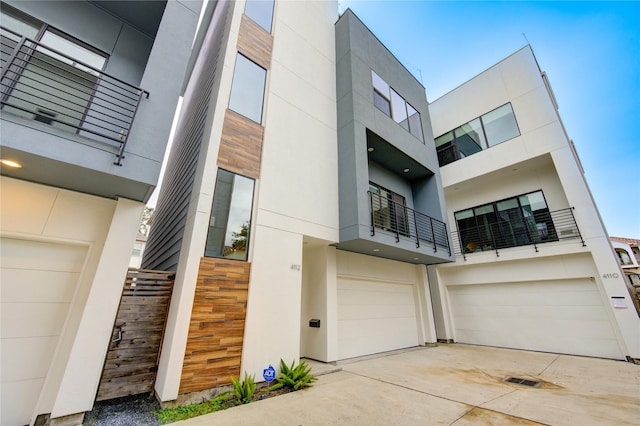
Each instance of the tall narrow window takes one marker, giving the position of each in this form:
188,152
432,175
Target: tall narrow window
399,109
261,12
381,98
247,90
230,219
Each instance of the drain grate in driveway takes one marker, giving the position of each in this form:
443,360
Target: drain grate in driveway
523,382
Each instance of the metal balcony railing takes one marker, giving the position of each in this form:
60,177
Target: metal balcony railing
48,86
407,223
541,227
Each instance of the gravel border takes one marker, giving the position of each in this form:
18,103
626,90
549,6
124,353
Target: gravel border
133,410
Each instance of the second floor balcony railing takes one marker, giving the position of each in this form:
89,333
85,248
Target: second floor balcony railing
540,227
49,86
406,223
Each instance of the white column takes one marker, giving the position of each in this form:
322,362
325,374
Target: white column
84,366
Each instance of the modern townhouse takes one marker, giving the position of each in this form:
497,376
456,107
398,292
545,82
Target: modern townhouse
317,206
534,266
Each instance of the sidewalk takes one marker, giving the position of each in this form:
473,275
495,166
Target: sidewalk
454,384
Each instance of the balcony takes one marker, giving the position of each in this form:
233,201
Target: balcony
541,227
46,85
408,224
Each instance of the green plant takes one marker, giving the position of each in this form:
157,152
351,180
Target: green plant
294,377
170,415
244,390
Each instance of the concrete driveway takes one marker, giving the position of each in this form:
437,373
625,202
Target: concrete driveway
454,384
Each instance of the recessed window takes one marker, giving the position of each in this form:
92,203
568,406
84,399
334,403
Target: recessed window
395,106
261,12
247,90
230,220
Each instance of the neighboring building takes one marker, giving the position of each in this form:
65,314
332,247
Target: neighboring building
138,251
305,184
628,253
89,90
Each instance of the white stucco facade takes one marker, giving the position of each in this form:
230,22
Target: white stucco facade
296,198
540,158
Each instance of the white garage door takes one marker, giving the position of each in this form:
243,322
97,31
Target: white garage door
37,283
375,317
561,316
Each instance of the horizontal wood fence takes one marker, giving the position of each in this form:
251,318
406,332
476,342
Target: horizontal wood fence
132,359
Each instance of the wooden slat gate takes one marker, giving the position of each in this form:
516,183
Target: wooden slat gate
132,359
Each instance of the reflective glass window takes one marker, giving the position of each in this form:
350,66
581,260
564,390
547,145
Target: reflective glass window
512,222
395,106
470,137
247,90
537,216
17,24
380,85
74,50
381,103
512,228
500,125
415,125
444,140
261,12
230,220
533,202
399,109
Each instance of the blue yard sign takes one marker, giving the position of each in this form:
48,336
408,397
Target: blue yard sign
269,373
